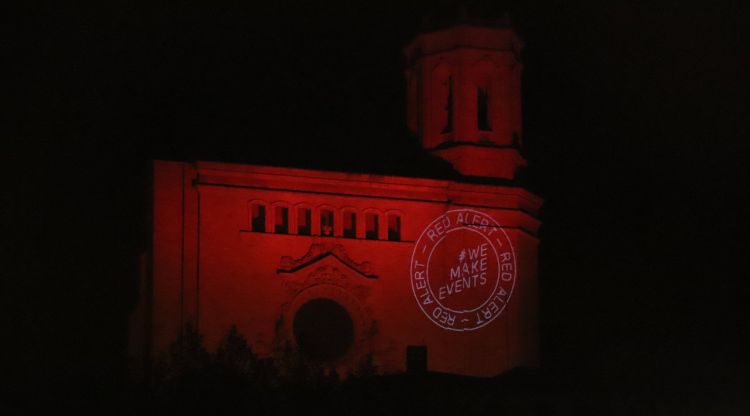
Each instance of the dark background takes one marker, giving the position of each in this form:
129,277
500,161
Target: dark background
634,126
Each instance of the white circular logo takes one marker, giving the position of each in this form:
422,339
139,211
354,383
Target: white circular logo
463,270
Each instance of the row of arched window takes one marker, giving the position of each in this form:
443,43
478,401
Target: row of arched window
326,221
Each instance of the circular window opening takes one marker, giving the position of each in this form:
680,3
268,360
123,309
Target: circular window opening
323,330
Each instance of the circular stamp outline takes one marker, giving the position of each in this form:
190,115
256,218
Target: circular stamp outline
469,227
427,269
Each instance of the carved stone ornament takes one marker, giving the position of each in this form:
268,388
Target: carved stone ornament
326,275
318,252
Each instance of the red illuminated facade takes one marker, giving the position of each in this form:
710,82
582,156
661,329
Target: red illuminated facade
344,265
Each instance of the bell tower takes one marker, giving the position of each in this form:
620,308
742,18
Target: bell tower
464,97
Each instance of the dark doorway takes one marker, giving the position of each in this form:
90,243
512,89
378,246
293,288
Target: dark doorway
416,359
323,330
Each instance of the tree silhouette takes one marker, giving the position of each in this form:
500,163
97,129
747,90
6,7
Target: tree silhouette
291,365
235,356
365,368
187,352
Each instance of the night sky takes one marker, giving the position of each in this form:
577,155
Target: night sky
635,129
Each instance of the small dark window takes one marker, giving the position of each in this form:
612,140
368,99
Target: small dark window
394,228
516,140
304,220
281,218
350,225
416,359
258,218
371,226
448,106
483,116
326,222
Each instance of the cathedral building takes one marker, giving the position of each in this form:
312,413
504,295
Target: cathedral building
414,272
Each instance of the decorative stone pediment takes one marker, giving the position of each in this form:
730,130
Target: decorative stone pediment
327,275
318,252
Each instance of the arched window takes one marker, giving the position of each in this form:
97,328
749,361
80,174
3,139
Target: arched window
258,217
304,221
448,94
350,223
483,105
442,86
372,226
394,227
486,93
326,222
281,219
